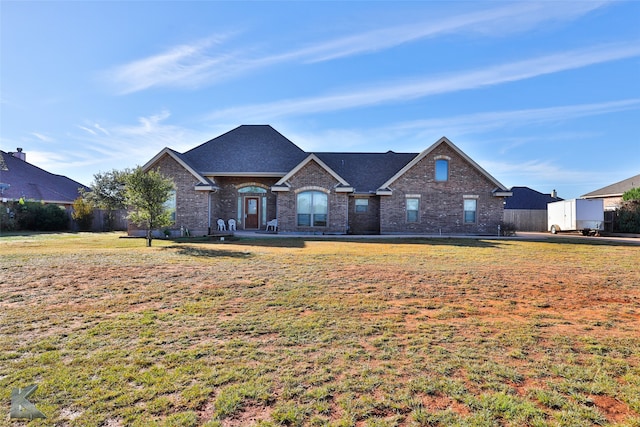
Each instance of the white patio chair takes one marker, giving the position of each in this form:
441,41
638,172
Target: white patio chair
221,225
273,224
232,224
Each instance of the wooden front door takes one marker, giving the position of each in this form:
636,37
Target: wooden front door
251,212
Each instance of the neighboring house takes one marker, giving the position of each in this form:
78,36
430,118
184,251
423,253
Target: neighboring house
253,175
22,180
612,194
526,209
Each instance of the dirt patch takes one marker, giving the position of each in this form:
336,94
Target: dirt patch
441,403
613,409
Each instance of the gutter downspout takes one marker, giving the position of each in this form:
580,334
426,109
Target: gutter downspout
209,213
346,226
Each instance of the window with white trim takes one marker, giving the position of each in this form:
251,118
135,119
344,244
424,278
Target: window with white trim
413,209
470,211
312,207
362,205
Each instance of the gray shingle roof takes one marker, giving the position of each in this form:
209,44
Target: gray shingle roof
616,189
32,183
247,149
260,150
366,172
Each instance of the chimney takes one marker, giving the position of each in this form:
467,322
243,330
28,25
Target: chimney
554,194
20,155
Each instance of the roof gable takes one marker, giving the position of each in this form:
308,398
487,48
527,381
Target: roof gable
313,158
178,158
615,190
386,185
256,150
33,183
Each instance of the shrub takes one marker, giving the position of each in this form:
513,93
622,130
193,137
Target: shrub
628,217
38,217
7,217
82,213
507,229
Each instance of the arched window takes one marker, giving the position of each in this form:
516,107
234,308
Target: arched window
252,189
312,209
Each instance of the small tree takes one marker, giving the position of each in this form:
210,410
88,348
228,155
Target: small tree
82,213
146,194
107,192
633,194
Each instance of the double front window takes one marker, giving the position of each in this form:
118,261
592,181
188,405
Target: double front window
312,209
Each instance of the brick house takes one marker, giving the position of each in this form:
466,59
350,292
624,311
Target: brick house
20,179
611,195
253,174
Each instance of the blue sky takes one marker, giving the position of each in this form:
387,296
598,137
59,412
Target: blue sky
545,95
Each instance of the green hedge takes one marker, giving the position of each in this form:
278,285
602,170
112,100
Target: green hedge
628,217
33,216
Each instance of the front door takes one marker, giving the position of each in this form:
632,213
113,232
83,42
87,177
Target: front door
251,214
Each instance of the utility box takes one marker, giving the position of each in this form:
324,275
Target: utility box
584,215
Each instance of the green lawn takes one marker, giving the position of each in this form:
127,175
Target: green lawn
303,332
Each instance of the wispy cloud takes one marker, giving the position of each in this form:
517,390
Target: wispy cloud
393,93
195,64
89,130
42,137
105,146
501,21
94,129
417,134
184,65
495,120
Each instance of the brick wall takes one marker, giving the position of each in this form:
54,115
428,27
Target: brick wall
225,201
441,203
191,205
312,177
365,222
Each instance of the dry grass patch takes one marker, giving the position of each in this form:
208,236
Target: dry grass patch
416,332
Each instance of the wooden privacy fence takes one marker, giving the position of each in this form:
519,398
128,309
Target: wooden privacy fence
526,219
100,222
